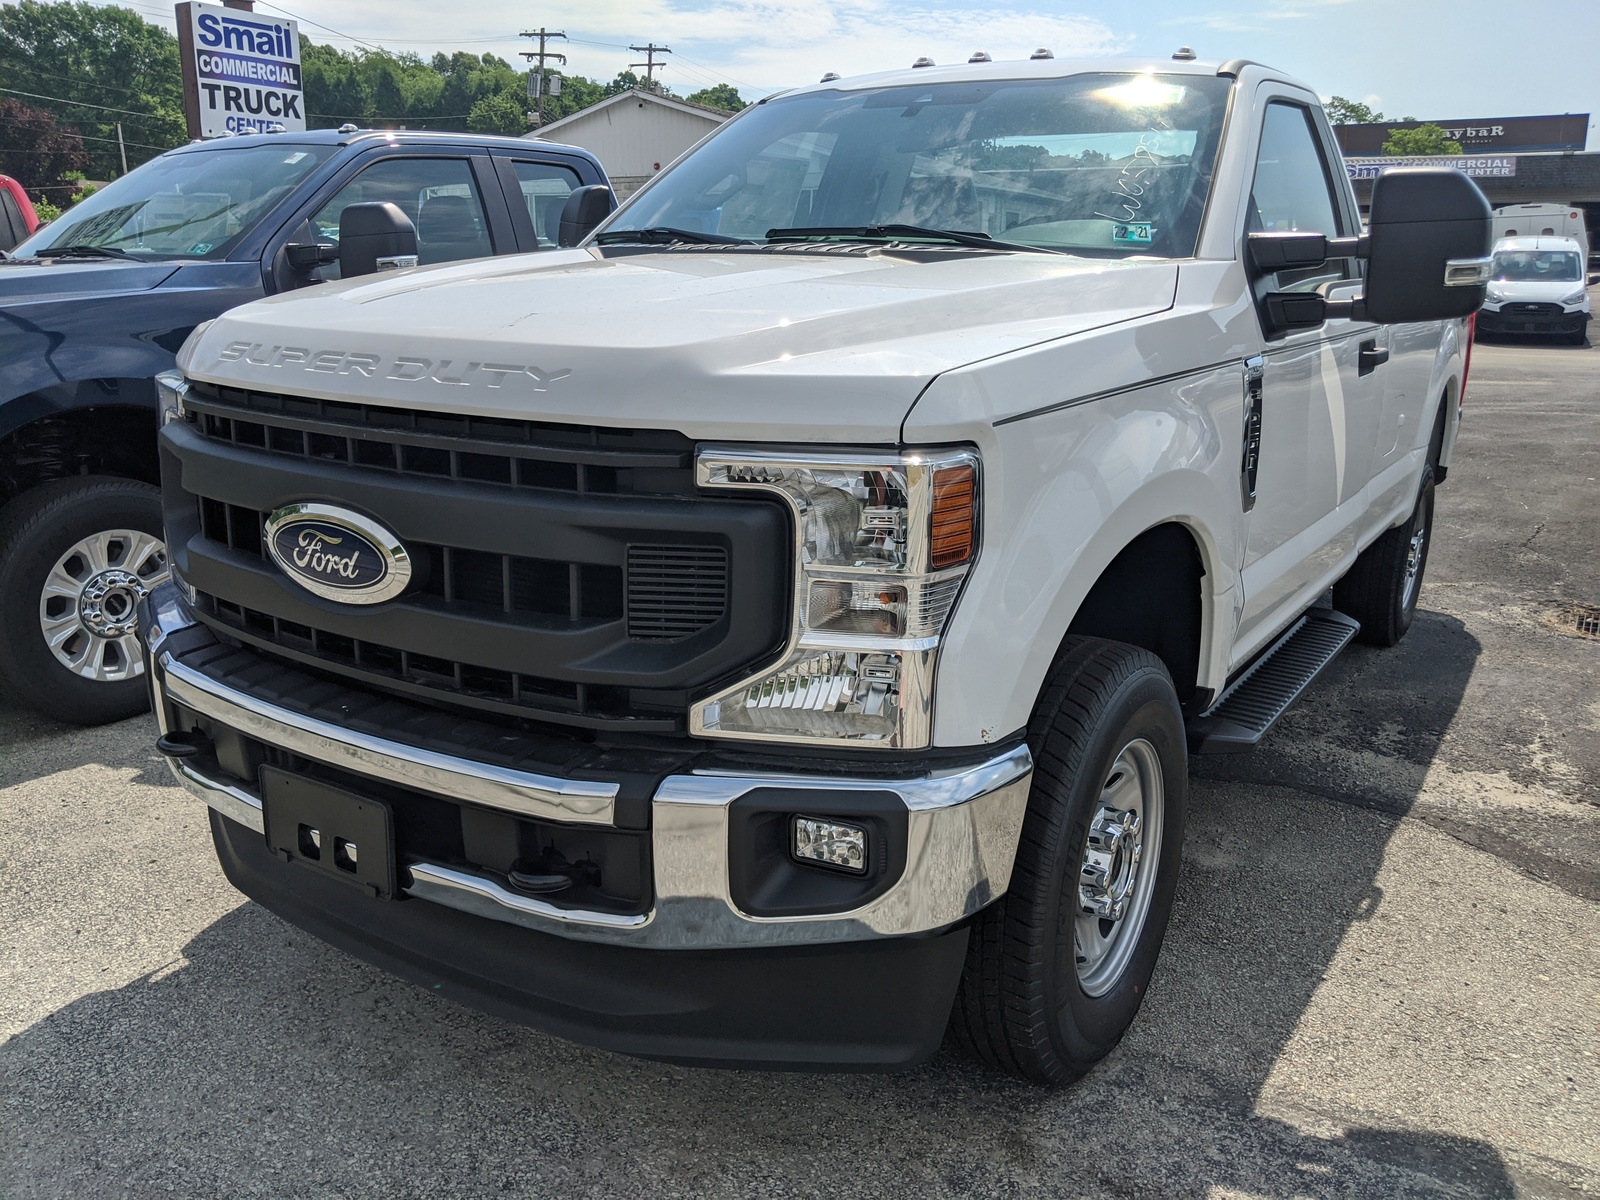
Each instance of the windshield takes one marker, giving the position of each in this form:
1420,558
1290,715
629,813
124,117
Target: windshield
194,205
1537,266
1105,164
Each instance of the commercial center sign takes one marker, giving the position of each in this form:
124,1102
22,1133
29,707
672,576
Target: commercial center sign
1476,166
241,71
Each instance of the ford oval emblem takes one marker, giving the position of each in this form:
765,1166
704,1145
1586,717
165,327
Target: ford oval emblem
337,554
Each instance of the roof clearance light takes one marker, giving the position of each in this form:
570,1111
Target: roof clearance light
1184,54
830,77
1041,54
980,56
924,61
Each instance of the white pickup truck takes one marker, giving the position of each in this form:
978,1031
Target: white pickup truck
772,631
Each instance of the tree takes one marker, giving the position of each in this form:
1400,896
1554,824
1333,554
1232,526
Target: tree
505,113
625,81
92,59
723,95
1351,112
577,94
37,150
1423,141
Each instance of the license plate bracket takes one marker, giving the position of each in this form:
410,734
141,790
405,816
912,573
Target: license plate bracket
332,830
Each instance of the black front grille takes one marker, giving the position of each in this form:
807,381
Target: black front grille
489,688
579,584
582,459
475,580
1534,310
675,591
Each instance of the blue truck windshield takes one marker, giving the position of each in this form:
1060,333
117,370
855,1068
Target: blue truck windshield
194,205
1101,164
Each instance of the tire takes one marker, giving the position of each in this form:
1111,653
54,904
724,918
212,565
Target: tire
1382,589
75,557
1031,1002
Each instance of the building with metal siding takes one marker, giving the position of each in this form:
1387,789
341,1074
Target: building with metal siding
635,133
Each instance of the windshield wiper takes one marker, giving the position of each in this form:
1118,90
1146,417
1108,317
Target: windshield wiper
959,237
665,235
84,251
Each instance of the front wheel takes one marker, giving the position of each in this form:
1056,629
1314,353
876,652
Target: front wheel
76,557
1057,969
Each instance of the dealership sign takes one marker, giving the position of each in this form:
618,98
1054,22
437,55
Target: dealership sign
1476,166
1481,135
241,71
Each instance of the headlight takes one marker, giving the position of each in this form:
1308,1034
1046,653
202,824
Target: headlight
1494,297
883,544
171,388
1577,297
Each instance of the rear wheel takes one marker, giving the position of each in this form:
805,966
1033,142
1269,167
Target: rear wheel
1057,969
1382,589
76,557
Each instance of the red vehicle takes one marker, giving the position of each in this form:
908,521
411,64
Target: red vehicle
17,218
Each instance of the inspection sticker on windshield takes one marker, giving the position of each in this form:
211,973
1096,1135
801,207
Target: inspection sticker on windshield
294,158
1141,233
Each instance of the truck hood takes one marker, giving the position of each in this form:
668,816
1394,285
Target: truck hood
1535,291
772,346
29,279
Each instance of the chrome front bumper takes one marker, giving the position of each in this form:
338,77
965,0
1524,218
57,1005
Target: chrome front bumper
963,825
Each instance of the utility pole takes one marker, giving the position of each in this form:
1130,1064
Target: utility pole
543,35
122,149
651,64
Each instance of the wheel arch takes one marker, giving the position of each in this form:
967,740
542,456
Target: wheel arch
1156,533
94,429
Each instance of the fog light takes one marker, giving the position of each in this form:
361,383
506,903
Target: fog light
830,844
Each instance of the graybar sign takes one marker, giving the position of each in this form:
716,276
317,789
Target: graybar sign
1475,166
241,71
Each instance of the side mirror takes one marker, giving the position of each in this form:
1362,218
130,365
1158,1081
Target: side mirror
1431,232
375,237
583,211
1427,252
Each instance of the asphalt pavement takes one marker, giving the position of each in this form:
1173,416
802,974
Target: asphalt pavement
1382,976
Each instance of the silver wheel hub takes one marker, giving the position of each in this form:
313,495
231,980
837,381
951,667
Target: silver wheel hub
90,601
1117,872
1111,863
1419,540
109,602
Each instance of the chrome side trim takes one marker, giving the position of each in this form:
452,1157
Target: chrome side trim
476,894
541,796
235,803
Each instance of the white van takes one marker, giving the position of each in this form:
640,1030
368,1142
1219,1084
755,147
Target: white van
1538,286
1542,220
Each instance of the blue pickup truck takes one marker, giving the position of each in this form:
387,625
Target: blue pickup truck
95,305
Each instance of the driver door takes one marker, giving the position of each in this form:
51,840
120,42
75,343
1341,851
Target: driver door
1317,394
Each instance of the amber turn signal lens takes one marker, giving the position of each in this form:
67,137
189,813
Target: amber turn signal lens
955,515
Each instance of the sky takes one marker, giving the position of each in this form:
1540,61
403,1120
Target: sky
1444,59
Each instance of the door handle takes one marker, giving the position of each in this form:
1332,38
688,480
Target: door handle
1371,357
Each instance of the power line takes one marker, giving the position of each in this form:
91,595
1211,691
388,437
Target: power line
86,137
78,103
320,25
29,69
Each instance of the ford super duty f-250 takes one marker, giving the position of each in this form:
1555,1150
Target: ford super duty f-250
773,631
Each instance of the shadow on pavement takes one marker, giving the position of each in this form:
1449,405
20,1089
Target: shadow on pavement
267,1063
